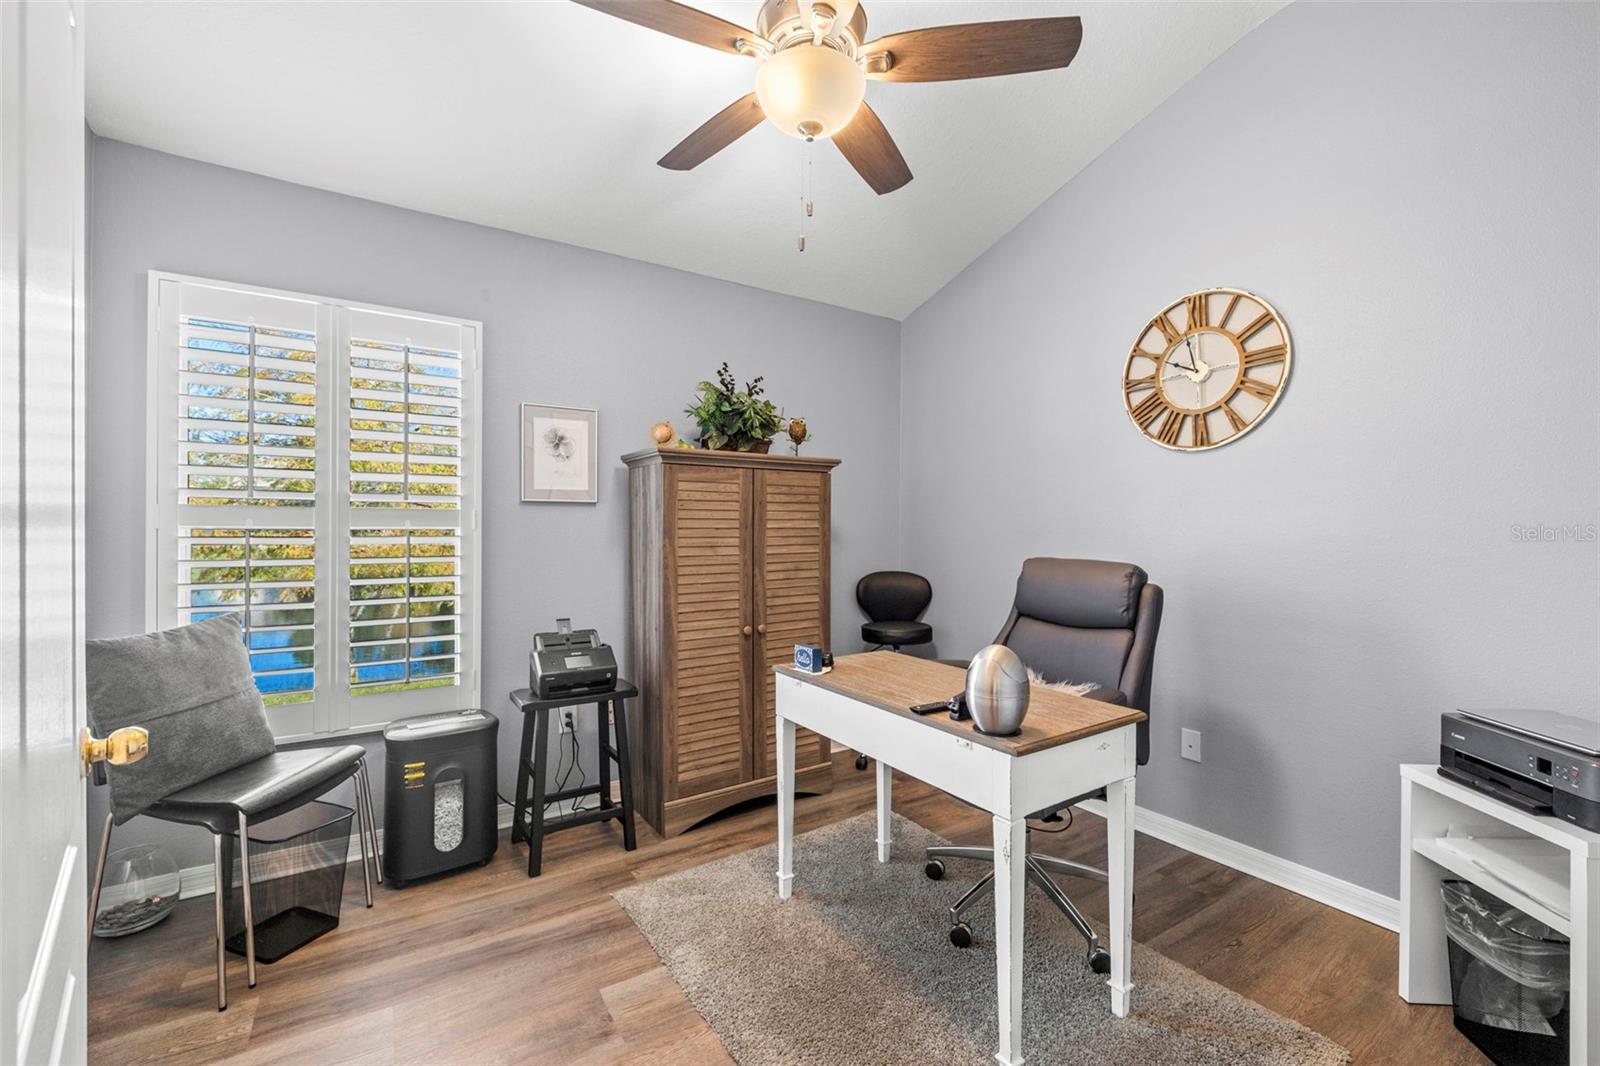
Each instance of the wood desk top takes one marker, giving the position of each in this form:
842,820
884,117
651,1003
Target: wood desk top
894,682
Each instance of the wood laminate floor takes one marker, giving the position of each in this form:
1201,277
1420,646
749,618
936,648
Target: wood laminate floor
488,966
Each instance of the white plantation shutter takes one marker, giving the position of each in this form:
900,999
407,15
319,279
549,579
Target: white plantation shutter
409,466
405,600
247,425
239,496
266,576
405,426
313,473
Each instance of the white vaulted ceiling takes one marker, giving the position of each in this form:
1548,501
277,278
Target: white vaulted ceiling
547,118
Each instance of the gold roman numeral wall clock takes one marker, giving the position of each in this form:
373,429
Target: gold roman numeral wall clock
1206,370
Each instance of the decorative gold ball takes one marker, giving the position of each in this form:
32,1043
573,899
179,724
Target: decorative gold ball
662,432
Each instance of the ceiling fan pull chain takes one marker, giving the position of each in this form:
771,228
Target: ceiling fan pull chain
805,194
808,181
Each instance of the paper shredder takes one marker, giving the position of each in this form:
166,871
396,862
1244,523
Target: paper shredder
439,800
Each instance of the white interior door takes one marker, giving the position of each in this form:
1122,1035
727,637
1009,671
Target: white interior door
43,935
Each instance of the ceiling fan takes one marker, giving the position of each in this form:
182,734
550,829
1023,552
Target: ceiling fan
815,60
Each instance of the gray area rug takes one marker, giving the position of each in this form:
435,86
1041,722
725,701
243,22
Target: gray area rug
857,968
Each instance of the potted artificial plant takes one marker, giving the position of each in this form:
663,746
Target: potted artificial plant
731,419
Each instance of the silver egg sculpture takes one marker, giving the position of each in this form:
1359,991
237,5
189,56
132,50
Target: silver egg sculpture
997,690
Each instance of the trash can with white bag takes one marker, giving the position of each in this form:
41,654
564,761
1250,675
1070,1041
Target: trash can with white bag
1510,975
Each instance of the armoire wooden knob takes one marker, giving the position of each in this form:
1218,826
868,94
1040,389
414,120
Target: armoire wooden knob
761,627
747,631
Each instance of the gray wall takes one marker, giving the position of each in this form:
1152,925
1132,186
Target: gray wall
1415,189
561,325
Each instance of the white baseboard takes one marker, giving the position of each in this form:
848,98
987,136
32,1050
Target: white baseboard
1342,895
197,881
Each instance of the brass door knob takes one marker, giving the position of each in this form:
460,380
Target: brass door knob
762,628
126,745
747,631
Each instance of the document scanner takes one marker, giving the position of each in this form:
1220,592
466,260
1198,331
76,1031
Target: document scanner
1539,761
570,662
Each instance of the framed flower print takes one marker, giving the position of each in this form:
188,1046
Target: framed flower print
559,450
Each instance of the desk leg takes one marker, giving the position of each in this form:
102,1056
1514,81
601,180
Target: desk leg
1584,1004
1119,867
1010,881
885,793
785,806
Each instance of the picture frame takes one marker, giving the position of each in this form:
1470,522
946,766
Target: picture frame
560,449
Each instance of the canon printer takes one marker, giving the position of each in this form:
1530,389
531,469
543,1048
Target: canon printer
1540,761
570,662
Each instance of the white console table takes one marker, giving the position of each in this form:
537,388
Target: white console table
1548,868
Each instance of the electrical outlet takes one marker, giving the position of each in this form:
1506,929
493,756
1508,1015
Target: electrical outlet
566,721
1191,744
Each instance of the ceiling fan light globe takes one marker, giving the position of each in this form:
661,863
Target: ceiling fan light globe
810,89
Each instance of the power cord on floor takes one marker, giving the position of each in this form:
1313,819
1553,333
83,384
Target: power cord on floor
1063,829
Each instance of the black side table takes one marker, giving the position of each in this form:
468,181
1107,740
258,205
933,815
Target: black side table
527,820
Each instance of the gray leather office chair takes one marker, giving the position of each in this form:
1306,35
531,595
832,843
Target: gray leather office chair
1073,620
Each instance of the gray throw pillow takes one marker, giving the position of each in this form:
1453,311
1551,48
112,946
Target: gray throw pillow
191,688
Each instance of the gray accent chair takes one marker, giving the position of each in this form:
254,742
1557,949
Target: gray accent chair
1073,620
212,761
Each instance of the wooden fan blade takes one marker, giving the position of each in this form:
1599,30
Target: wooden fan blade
977,49
870,149
719,131
675,20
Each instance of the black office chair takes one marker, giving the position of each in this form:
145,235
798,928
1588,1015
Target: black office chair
1073,620
893,600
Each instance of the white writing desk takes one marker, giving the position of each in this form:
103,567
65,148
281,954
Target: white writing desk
1068,746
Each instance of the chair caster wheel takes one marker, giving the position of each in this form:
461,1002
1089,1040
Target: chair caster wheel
395,882
934,869
1100,960
485,861
861,762
961,937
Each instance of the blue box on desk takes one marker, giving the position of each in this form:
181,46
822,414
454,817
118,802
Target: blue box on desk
812,658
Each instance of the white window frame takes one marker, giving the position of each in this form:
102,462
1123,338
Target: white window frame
332,711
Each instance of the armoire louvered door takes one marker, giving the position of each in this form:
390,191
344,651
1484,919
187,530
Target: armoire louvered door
791,564
708,604
729,566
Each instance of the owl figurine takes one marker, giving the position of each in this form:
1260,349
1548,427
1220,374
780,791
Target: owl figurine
798,433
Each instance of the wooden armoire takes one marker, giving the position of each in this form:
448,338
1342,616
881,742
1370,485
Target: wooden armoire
729,566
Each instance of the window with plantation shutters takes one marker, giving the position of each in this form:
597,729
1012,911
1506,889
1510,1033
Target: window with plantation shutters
313,473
